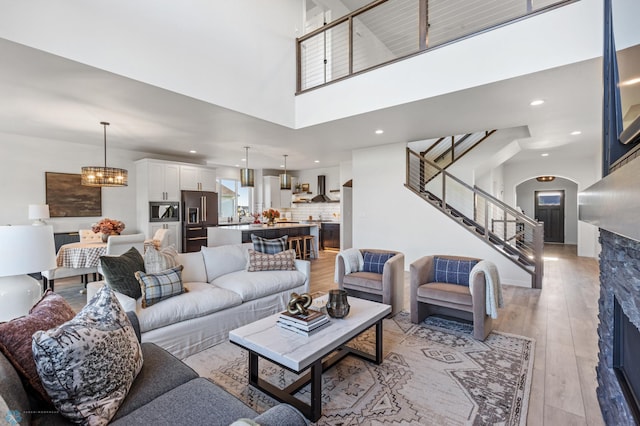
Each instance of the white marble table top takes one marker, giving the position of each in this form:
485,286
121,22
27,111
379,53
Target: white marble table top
298,352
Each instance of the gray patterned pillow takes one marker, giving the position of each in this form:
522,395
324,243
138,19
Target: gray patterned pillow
160,260
88,364
160,286
283,261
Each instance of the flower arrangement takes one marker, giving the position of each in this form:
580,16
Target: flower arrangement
271,214
108,226
256,217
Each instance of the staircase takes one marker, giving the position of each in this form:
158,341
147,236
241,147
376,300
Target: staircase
513,234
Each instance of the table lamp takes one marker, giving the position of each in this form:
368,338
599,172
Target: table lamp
37,212
24,250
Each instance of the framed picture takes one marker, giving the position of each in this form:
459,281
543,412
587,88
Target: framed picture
305,187
67,197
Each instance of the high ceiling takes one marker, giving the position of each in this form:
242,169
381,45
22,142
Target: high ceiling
53,98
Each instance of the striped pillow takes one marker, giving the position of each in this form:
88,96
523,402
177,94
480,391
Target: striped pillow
265,245
160,286
283,261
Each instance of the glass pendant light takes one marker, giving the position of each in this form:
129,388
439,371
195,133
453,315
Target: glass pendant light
246,174
103,176
285,179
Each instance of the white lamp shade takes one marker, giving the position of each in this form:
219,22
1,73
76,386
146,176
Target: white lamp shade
26,249
38,211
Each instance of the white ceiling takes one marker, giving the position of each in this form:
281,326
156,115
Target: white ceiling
53,98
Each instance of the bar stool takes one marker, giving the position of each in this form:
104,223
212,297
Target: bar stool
311,241
294,243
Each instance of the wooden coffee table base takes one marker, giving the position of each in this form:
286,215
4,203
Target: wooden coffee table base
312,411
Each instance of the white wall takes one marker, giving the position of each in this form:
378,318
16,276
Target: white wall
236,54
566,35
525,199
387,215
585,171
22,170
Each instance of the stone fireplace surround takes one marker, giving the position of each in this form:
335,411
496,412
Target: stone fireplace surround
619,279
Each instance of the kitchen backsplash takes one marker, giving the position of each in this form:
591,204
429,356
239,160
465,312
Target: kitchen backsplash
318,211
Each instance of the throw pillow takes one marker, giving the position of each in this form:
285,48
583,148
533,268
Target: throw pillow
160,286
87,365
283,261
160,260
374,262
15,337
119,272
265,245
452,271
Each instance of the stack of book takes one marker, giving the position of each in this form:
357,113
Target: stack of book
303,324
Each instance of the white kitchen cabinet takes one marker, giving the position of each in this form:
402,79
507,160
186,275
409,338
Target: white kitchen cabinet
194,178
274,197
163,181
174,232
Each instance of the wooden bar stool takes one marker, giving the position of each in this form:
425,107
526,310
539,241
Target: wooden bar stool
311,241
294,243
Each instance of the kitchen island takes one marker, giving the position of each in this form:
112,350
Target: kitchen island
236,234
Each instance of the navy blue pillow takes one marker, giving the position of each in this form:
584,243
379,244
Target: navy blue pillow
452,271
374,262
267,246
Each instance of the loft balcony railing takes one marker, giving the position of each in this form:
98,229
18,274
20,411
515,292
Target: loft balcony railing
388,30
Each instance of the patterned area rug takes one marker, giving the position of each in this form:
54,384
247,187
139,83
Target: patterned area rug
433,373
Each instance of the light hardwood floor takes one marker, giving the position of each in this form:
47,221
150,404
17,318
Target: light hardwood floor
562,318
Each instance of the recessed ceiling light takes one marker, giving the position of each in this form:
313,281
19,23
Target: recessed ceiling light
379,132
536,102
281,166
243,159
193,151
576,133
545,154
237,165
631,81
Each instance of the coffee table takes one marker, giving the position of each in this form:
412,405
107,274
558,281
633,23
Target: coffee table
297,353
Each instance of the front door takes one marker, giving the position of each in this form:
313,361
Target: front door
549,208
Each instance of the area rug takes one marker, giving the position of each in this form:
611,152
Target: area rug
434,373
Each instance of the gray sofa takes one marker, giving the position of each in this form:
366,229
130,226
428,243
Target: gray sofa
165,392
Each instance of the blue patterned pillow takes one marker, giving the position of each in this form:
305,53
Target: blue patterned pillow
161,285
267,246
374,262
452,271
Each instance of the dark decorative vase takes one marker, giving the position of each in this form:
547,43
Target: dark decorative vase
338,305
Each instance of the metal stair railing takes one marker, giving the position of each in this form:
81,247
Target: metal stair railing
446,151
510,232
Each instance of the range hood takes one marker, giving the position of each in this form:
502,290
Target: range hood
322,196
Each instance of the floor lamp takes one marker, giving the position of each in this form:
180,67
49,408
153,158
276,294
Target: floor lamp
24,249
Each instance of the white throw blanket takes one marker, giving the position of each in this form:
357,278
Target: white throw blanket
353,261
494,289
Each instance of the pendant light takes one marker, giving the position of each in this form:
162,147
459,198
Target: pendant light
246,174
285,179
104,176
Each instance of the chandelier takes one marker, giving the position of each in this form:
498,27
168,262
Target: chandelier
104,176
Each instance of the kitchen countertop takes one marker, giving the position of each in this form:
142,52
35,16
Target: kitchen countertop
248,226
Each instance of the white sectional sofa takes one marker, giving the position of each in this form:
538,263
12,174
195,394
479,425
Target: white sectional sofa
222,295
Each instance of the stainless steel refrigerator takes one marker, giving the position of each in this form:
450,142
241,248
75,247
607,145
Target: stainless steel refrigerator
200,210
